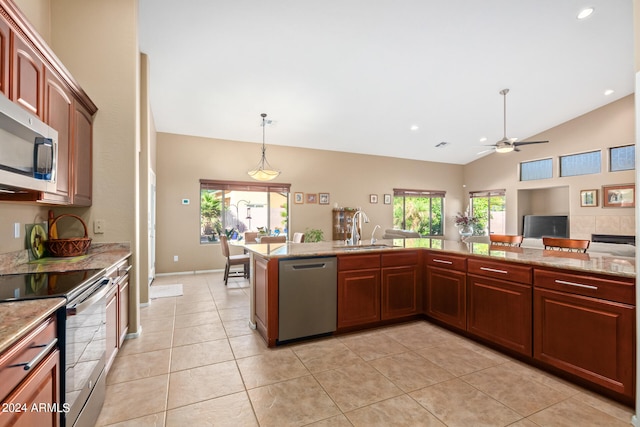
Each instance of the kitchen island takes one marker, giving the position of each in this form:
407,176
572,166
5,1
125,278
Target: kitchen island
570,313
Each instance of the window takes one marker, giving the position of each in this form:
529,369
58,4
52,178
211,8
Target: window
622,158
537,169
580,164
235,207
419,210
489,207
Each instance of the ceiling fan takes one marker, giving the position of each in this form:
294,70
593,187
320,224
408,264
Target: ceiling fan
507,145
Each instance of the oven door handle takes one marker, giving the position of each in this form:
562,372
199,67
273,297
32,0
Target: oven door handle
96,296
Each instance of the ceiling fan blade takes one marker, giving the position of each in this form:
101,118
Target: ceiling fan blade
528,142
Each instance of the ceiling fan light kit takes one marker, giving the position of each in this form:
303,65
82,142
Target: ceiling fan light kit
507,145
263,171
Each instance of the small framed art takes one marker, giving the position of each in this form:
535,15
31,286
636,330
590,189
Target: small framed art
619,196
298,198
589,198
312,198
323,198
387,199
373,198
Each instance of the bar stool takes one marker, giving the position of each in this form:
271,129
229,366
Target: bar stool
505,240
562,244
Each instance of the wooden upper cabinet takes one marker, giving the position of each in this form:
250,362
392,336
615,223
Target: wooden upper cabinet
58,114
28,70
82,164
5,50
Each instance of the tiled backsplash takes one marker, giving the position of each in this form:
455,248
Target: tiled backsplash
583,226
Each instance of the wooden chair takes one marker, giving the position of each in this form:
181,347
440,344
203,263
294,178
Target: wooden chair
505,240
242,259
250,237
298,237
562,244
273,239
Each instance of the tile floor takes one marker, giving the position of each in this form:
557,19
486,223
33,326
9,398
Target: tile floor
197,363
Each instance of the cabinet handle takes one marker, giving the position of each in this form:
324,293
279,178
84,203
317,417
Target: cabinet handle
46,348
442,261
579,285
494,270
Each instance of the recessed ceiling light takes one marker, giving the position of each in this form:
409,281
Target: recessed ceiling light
415,127
483,139
608,92
585,13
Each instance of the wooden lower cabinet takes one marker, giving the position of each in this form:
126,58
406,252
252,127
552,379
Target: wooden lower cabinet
499,297
265,310
401,284
445,297
500,311
32,397
36,401
358,297
112,333
591,338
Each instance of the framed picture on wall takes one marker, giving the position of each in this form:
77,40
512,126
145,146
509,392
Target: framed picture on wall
589,198
312,198
323,198
387,199
619,196
373,198
298,198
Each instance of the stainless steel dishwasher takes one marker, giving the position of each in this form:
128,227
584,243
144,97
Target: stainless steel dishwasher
307,297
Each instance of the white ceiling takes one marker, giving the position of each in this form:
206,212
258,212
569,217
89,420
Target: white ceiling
355,75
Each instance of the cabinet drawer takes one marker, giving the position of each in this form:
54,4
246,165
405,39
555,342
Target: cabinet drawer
358,262
500,270
446,261
12,369
397,259
598,287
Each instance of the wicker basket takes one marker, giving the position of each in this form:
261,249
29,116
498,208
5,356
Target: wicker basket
68,247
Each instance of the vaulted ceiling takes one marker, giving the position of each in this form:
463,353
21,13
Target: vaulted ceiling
384,77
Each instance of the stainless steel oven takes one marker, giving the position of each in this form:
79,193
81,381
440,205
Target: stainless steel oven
82,335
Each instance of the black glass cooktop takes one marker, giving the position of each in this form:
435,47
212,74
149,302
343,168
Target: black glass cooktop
40,285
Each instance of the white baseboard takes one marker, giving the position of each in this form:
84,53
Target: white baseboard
177,273
635,421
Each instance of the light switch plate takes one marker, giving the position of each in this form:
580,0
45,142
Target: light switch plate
99,226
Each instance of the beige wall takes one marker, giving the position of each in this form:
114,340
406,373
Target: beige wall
349,178
611,125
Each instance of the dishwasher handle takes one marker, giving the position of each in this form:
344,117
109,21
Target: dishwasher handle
309,266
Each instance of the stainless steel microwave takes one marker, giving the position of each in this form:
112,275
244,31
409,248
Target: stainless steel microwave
28,150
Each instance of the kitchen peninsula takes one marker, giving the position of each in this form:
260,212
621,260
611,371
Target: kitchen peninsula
570,313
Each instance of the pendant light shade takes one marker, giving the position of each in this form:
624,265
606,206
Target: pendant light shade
264,171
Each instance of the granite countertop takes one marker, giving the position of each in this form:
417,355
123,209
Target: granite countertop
100,255
591,262
17,318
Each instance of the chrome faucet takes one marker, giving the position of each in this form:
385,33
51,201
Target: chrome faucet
355,237
373,239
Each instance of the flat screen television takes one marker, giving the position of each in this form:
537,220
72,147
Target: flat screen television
538,226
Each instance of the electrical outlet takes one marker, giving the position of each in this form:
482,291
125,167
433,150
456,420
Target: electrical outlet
175,258
16,230
98,226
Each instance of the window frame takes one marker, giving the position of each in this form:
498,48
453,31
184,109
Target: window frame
560,158
487,194
546,159
246,186
427,194
611,156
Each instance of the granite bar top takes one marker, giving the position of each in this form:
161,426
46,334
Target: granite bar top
17,318
100,255
591,262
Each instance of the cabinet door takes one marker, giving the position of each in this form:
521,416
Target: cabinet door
445,297
82,166
399,291
28,79
358,297
41,387
123,309
500,311
588,337
5,51
112,326
58,112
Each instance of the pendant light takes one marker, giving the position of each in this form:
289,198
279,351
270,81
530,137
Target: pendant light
264,171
